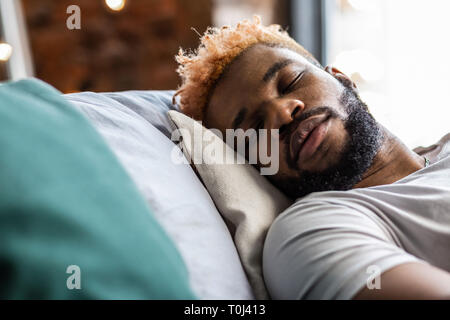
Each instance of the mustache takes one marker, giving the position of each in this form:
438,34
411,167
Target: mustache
291,127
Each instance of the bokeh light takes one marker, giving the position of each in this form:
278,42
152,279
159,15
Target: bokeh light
115,5
5,51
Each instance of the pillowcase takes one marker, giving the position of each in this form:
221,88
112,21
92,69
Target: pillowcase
136,127
72,223
246,199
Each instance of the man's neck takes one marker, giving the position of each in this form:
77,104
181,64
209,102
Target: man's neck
393,162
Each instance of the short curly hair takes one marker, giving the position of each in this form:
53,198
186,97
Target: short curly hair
201,70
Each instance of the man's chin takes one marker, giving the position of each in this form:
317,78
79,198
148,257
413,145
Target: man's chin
356,155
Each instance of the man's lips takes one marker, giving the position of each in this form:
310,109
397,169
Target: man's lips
300,136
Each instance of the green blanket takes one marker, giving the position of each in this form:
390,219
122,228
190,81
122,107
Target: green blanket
72,223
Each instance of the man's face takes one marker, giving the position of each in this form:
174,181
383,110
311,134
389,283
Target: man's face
276,88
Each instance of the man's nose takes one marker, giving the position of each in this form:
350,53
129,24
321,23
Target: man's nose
284,112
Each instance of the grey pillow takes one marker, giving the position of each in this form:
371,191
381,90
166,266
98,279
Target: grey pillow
136,127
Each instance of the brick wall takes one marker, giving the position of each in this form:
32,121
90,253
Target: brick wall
113,51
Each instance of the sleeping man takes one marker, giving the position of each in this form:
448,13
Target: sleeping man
371,218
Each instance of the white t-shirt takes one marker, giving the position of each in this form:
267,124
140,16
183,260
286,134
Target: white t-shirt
328,244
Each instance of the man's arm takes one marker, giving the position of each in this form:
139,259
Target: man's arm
410,281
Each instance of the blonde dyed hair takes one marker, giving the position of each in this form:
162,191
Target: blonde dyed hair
200,70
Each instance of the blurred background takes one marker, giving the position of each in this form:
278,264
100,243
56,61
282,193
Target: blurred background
395,50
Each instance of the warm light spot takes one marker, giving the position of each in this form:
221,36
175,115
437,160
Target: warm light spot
115,5
5,51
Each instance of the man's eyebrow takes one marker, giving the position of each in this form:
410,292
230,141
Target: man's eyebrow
277,66
239,118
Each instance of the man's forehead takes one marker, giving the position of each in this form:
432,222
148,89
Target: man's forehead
242,76
259,58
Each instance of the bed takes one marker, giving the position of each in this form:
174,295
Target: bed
93,207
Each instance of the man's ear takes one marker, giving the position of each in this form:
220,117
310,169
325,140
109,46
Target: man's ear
335,72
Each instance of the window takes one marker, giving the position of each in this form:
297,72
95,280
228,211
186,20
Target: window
398,53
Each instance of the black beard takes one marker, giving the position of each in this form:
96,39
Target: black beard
365,138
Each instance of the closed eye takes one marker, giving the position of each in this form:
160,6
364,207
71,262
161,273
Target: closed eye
291,85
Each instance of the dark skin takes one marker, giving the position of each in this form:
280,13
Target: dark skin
269,106
257,93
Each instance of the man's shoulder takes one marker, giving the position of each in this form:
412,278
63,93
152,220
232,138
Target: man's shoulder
322,205
436,151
